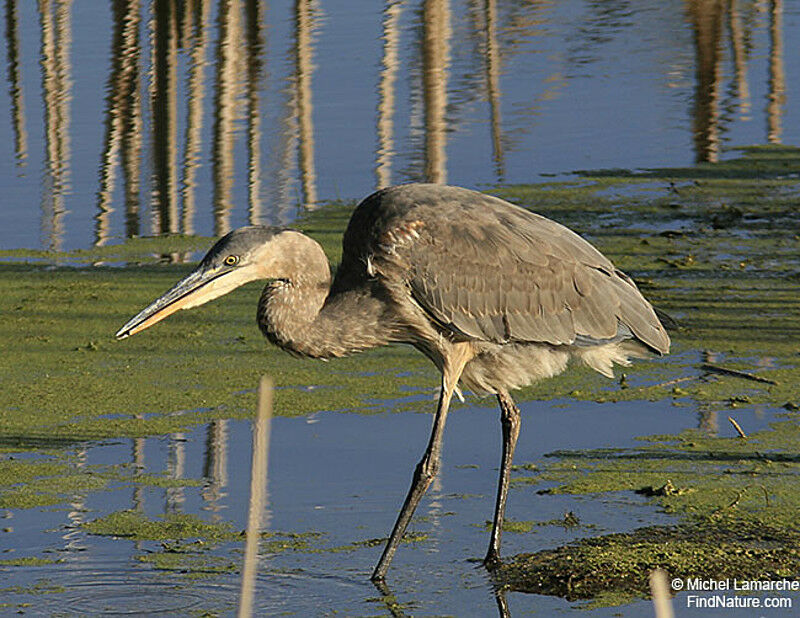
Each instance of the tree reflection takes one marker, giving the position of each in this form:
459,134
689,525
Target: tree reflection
195,139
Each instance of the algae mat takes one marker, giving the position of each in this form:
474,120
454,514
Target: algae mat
715,246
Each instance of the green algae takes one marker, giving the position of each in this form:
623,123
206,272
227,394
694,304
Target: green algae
514,526
615,568
408,537
192,559
157,480
67,377
693,475
735,499
31,483
172,526
279,542
14,471
186,534
26,561
191,547
570,520
28,484
139,250
41,586
199,549
191,566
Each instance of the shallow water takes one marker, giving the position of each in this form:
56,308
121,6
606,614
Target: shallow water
342,476
259,108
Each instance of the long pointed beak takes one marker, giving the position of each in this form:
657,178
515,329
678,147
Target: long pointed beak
197,288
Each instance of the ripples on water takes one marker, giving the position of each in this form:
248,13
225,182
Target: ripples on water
153,116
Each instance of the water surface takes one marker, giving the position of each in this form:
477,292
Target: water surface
139,118
341,477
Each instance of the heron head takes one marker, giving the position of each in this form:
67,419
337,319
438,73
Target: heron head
242,256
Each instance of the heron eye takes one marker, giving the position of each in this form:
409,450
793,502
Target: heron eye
232,260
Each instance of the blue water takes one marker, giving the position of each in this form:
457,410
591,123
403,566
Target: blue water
577,85
343,476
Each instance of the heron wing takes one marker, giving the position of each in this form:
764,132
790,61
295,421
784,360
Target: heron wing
491,271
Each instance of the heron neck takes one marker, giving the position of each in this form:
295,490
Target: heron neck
300,314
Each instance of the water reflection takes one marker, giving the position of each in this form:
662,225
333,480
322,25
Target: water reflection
138,461
777,86
255,77
709,121
123,123
740,87
15,83
56,33
318,485
215,468
492,64
74,538
706,18
302,100
227,109
435,65
163,98
219,113
176,468
386,93
258,496
197,38
389,599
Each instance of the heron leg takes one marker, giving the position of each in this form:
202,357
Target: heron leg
425,471
510,420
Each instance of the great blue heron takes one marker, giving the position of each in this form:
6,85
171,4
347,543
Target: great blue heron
496,296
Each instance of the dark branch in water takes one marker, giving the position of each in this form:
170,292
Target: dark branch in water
735,373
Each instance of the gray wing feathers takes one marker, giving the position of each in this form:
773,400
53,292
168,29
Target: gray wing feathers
492,271
638,315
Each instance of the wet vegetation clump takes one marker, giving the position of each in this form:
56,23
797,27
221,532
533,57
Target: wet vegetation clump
735,500
26,483
618,566
173,526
